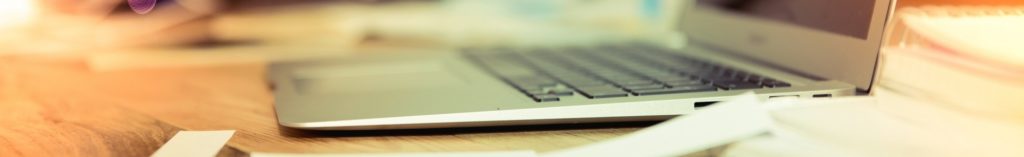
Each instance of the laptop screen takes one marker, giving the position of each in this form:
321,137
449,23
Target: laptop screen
845,17
830,39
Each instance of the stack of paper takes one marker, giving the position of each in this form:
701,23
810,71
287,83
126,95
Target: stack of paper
963,57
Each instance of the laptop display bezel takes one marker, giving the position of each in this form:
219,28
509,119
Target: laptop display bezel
795,48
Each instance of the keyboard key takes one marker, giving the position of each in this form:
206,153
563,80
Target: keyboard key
599,88
533,81
587,83
545,98
753,78
514,71
602,92
781,84
529,78
573,77
624,78
673,78
561,92
529,88
605,94
551,91
635,82
685,83
657,73
535,91
733,85
546,74
536,84
726,72
716,80
645,87
741,75
709,75
684,89
771,83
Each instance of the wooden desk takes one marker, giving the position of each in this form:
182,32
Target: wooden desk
57,107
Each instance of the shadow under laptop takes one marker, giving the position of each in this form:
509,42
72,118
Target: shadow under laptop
299,133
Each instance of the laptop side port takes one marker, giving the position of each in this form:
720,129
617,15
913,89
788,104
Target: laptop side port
822,96
783,96
704,103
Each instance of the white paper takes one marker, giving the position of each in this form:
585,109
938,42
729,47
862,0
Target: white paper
194,144
525,153
786,141
886,126
709,127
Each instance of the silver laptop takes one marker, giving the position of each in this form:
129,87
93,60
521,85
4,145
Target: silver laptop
774,48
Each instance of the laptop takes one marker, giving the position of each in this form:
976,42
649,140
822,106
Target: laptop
774,48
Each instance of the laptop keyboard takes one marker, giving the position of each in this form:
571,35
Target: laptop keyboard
549,74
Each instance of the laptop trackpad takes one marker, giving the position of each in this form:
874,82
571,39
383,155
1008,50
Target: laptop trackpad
376,77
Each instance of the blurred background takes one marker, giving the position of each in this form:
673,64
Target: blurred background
93,26
206,31
96,26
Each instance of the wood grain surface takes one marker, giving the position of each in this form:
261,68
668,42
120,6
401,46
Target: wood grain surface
57,107
56,116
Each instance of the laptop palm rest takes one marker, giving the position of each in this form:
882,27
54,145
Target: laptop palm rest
376,77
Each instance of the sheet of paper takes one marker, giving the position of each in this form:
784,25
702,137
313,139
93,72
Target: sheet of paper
713,126
524,153
783,141
194,144
883,126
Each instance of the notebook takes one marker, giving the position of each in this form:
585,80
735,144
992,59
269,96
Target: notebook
984,34
969,58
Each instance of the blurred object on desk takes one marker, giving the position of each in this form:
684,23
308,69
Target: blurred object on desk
231,54
542,22
340,25
985,34
320,25
169,58
453,23
16,13
961,57
302,30
45,27
968,86
67,27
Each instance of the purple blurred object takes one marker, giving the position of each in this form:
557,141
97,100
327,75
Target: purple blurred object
142,6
